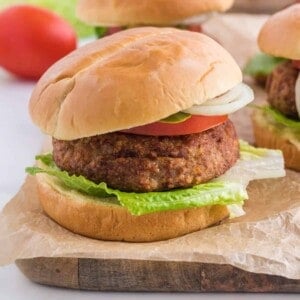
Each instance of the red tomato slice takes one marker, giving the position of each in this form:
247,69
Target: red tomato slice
194,27
32,39
296,63
194,124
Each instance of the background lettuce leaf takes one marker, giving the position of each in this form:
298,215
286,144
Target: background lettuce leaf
225,190
262,64
64,8
279,117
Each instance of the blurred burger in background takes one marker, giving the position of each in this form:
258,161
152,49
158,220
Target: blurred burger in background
278,124
262,64
110,16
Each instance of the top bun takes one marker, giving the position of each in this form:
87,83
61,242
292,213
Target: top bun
128,79
145,12
280,36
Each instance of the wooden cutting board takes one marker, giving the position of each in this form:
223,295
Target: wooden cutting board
151,276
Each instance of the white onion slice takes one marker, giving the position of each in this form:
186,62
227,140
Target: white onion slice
199,19
297,94
228,97
227,103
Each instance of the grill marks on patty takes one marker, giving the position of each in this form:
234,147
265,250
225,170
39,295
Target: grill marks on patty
140,163
281,89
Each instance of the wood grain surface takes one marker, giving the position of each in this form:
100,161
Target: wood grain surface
150,276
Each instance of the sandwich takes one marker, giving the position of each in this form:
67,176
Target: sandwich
143,149
277,125
109,17
261,65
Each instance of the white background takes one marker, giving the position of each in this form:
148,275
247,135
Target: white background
19,142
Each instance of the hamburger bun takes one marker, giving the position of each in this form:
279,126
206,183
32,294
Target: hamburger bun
145,12
268,136
95,218
280,35
260,6
131,78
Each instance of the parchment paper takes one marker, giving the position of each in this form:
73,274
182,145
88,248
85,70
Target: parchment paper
265,240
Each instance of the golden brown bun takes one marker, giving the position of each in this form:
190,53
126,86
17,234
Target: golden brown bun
145,12
260,6
131,78
267,138
86,216
280,36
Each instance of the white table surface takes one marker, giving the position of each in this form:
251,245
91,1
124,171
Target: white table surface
20,140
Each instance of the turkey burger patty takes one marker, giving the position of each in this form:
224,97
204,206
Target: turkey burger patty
142,163
281,89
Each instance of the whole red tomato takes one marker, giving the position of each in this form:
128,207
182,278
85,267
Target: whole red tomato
32,39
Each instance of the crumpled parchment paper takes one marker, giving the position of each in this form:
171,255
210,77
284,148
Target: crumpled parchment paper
265,240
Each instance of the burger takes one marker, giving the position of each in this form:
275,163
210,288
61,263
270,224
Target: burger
277,125
112,16
143,149
261,65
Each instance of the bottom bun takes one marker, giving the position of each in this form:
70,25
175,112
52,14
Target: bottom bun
106,221
267,136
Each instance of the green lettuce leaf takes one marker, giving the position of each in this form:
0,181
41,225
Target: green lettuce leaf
229,189
262,64
211,193
100,31
279,117
249,152
176,118
254,164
